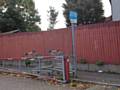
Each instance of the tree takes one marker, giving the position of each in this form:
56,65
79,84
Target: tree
52,17
18,14
89,11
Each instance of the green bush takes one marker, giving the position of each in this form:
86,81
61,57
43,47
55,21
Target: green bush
28,63
99,63
83,61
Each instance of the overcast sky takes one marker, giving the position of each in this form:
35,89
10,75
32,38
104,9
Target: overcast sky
43,5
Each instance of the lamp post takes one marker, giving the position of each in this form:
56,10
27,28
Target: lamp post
73,20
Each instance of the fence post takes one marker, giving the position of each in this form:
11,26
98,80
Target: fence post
19,65
39,65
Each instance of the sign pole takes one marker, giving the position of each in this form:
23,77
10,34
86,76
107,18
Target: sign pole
73,20
74,49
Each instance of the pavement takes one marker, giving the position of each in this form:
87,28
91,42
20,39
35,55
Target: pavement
84,76
100,78
8,83
20,83
98,87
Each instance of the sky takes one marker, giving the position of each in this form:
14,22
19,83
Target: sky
43,6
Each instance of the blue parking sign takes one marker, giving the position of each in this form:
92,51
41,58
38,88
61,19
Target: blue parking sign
72,15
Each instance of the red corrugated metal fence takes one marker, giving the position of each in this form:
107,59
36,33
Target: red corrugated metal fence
93,42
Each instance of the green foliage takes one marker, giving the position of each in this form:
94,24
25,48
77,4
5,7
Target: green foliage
99,63
83,61
18,15
52,16
89,11
28,63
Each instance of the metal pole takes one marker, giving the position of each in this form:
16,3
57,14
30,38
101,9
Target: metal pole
74,50
19,66
63,68
39,65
